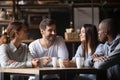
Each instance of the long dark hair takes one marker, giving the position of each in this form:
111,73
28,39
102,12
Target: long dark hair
91,38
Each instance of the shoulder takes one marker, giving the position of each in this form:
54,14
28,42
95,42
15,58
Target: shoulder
100,45
79,48
100,49
4,45
35,42
59,39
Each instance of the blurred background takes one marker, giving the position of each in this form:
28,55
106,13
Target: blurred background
67,13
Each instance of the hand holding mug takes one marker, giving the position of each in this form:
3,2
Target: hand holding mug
35,62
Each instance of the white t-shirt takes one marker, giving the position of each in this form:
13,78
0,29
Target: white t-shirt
58,49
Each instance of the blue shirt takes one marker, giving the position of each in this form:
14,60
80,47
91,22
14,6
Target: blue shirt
112,50
87,61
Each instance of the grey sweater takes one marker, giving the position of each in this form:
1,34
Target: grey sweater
20,56
112,50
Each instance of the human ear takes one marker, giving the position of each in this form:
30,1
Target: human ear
42,31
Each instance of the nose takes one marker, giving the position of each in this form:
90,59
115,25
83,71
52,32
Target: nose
79,34
53,32
98,32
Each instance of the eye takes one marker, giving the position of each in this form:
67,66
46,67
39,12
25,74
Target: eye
50,30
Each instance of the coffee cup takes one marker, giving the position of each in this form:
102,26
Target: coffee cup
54,62
60,62
79,62
41,62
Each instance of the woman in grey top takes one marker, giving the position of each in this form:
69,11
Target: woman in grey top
16,54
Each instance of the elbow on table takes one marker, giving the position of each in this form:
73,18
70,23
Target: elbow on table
5,65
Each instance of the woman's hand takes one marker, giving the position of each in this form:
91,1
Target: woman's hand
35,62
64,63
10,61
95,57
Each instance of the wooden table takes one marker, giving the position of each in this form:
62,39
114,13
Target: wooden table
64,72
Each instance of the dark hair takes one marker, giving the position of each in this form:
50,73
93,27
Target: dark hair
14,27
111,26
46,22
91,38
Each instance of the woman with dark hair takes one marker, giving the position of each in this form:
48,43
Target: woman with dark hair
89,39
89,46
15,54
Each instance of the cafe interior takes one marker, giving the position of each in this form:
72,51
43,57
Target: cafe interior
70,15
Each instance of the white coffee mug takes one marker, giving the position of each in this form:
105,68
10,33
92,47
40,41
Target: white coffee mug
79,62
41,62
54,62
60,62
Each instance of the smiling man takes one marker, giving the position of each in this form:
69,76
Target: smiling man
50,45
